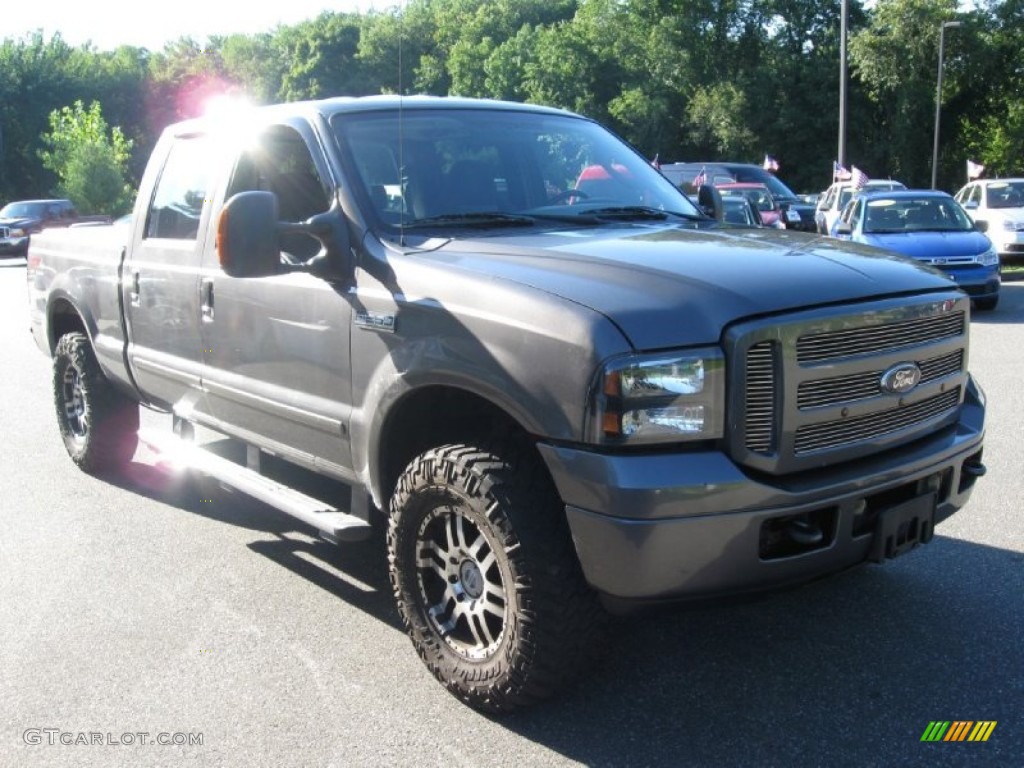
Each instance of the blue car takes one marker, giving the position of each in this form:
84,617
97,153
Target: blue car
928,226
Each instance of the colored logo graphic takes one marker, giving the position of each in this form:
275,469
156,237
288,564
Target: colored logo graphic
959,730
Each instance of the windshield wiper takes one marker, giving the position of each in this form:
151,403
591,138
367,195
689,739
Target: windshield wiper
627,213
635,213
482,219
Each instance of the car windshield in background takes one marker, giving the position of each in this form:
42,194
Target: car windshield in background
22,210
777,188
450,167
1006,194
909,214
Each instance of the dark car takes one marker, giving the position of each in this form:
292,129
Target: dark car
20,219
715,172
768,208
739,209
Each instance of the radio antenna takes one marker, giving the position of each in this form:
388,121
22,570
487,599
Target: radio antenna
402,176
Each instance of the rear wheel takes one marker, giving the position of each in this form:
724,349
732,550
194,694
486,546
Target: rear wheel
98,424
486,578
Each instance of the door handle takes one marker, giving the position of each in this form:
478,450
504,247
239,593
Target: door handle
206,299
134,296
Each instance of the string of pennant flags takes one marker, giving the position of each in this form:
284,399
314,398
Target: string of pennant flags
860,179
839,171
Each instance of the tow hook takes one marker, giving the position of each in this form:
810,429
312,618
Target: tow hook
803,531
974,468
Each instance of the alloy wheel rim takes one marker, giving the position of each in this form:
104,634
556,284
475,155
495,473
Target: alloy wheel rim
460,584
75,413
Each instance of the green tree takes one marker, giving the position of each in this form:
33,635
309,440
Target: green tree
322,58
895,58
89,159
715,117
988,79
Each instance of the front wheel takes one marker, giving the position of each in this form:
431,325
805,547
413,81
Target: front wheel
486,578
98,424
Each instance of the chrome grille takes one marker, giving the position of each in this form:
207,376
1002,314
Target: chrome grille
845,389
760,397
805,388
831,434
874,339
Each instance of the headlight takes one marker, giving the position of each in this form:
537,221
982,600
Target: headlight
659,398
989,258
17,232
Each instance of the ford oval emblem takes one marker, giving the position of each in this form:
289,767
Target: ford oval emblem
901,378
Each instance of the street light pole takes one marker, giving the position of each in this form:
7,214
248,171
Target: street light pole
841,155
938,100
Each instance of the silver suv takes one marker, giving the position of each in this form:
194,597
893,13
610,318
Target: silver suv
835,198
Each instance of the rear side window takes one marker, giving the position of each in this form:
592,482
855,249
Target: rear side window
182,190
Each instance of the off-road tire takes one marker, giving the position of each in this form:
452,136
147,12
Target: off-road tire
479,535
98,424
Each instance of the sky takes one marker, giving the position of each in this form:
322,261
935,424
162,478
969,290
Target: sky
110,23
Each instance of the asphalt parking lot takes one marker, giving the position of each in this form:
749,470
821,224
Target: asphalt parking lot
130,610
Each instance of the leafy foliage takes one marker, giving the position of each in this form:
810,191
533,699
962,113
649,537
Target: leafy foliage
683,79
88,160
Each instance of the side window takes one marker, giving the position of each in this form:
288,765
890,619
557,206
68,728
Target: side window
183,188
281,163
854,213
976,195
826,201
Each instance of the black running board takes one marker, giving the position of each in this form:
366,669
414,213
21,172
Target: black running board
334,524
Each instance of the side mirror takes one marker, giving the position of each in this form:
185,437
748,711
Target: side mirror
247,235
971,205
981,226
710,201
249,239
843,228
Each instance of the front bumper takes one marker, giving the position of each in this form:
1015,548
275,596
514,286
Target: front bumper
977,282
14,246
1008,243
693,525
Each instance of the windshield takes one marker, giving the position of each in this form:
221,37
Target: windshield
478,168
1006,194
22,210
778,189
916,214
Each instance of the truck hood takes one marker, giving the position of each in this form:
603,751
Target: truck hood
671,285
23,222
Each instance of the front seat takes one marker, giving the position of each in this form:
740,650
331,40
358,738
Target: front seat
470,188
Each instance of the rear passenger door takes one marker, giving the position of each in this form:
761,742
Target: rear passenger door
160,280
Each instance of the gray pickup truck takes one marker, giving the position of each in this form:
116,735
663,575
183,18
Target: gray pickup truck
562,398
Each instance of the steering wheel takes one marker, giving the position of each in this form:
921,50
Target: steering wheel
561,197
